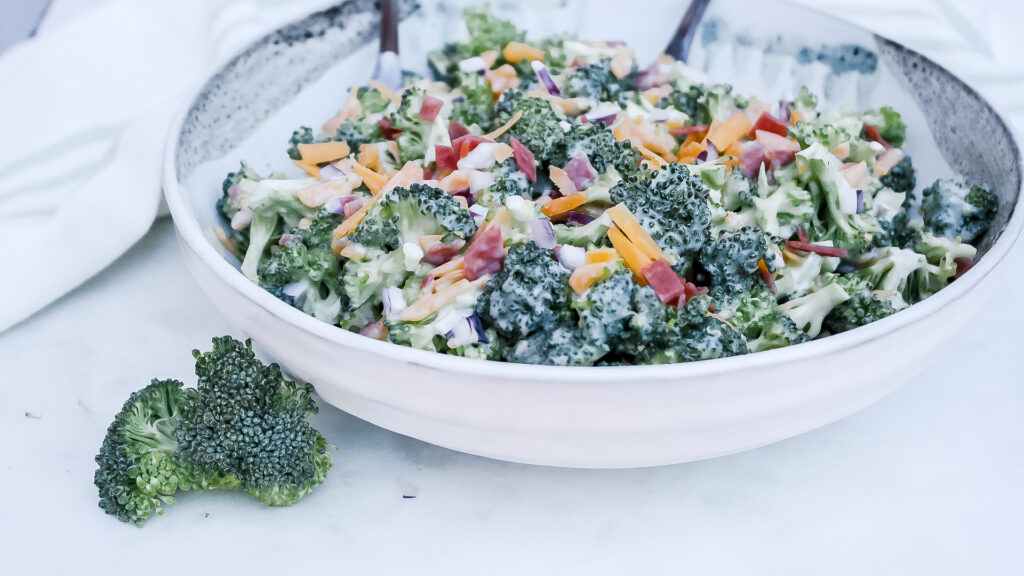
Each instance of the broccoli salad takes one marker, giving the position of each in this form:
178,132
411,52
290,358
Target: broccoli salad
552,202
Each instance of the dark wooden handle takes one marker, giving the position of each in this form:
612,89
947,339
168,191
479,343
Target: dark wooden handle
679,46
389,26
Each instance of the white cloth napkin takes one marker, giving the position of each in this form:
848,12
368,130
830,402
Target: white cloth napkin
85,104
84,108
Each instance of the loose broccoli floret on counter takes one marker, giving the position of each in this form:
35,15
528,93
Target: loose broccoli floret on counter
672,206
732,262
538,129
862,308
596,82
809,312
901,178
304,271
405,214
953,209
593,232
602,149
243,427
476,106
530,292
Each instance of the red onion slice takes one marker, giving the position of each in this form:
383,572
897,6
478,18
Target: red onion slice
543,234
545,77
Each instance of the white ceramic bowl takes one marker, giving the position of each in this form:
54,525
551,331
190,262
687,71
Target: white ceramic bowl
585,417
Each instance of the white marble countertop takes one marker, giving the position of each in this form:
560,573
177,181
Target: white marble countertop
927,481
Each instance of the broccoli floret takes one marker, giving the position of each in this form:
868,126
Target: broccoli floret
245,419
890,125
234,200
777,331
591,233
953,209
530,292
486,32
779,213
476,107
302,135
862,308
604,308
405,214
363,128
707,339
901,178
363,280
275,207
562,344
732,262
243,427
747,312
304,271
900,231
808,133
602,149
688,102
893,269
538,129
596,81
939,249
809,312
509,181
838,220
137,471
672,206
412,141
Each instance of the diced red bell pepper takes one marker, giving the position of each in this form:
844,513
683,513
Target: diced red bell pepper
486,255
524,160
387,130
466,143
664,280
872,134
430,107
445,158
826,251
769,123
456,130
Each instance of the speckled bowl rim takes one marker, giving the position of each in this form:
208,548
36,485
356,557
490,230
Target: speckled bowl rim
192,235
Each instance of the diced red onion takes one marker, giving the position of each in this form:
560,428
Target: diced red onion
572,257
860,201
285,238
479,158
376,330
337,204
479,180
478,327
753,156
352,207
465,193
478,210
545,77
295,292
393,301
331,172
579,218
580,171
233,192
543,234
605,113
784,113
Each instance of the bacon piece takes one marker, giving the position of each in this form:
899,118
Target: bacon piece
872,134
769,123
445,157
962,266
826,251
430,107
439,252
666,283
753,156
524,160
387,130
486,255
